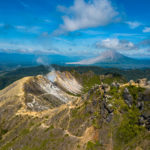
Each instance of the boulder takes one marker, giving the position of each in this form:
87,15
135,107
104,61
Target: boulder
105,87
142,82
131,82
116,85
109,117
140,105
127,97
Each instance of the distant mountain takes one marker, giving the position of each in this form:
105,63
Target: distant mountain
112,58
105,57
13,60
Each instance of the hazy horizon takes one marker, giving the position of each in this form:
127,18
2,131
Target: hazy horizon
75,28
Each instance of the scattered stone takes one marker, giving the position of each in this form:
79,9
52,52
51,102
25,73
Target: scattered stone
115,84
127,97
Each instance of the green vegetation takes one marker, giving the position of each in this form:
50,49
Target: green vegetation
24,132
11,76
103,115
6,78
2,132
135,91
93,146
113,78
129,127
50,128
89,80
6,146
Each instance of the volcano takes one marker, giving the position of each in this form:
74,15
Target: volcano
109,56
112,58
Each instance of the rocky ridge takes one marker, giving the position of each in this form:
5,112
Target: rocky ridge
75,111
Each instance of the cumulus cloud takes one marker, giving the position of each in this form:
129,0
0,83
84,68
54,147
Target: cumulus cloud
84,14
116,44
133,25
146,29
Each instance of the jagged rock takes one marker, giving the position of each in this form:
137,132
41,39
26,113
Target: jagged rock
142,82
140,105
114,84
106,111
140,97
109,117
131,82
109,108
145,120
148,124
127,97
94,102
146,115
89,109
105,87
102,77
141,120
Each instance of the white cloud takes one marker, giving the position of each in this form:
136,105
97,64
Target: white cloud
26,48
83,14
133,25
146,29
20,27
116,44
29,29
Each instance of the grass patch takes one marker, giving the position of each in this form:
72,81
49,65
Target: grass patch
129,127
93,146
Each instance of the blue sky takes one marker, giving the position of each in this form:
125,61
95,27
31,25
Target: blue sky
75,27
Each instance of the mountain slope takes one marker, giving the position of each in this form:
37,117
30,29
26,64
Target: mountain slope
109,56
112,58
38,114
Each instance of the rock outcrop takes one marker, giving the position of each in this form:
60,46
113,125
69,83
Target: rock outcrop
58,114
127,97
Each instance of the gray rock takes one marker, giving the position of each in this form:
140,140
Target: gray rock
109,117
116,85
140,105
109,108
142,82
127,97
105,87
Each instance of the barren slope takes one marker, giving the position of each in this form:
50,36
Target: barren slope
37,114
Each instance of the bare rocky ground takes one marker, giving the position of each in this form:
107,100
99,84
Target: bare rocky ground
75,112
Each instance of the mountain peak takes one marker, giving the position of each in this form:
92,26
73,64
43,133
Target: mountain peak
105,57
